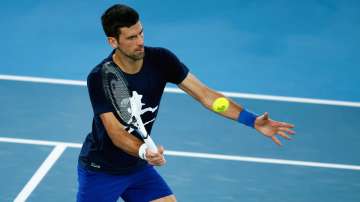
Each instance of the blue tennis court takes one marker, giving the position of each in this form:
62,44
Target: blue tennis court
296,60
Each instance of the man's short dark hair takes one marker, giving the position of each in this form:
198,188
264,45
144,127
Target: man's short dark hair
116,17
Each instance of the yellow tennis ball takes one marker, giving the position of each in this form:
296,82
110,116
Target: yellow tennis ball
221,104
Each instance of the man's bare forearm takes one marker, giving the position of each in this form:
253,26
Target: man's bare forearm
119,136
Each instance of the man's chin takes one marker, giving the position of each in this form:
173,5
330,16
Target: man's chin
138,56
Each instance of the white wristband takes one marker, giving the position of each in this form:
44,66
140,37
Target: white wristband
142,151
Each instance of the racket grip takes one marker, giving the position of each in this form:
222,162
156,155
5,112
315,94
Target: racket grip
151,144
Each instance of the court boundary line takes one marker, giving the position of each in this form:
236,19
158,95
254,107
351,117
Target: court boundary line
41,172
179,91
200,155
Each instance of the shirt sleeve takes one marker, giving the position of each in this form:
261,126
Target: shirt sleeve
97,95
175,70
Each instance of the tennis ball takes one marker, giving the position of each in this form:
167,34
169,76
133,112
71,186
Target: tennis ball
221,104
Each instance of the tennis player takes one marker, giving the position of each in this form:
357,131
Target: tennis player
114,161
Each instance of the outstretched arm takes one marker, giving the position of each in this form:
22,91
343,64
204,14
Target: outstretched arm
206,96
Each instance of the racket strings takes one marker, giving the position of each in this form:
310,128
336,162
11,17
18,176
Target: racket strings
117,91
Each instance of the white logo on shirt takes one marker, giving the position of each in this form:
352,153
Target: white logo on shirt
136,110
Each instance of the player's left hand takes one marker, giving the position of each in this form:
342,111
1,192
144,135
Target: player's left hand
271,128
155,159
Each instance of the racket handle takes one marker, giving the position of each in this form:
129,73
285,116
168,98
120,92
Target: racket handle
151,144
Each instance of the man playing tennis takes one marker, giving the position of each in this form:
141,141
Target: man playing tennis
114,161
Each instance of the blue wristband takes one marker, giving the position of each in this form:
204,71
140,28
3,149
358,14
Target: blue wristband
247,118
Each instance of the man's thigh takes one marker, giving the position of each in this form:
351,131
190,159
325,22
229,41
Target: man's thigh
96,186
147,186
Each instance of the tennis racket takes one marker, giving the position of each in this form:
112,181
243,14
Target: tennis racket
117,92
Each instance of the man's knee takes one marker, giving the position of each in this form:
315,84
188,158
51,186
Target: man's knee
170,198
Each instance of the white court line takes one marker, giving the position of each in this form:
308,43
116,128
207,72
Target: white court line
202,155
42,80
40,173
39,142
263,160
177,90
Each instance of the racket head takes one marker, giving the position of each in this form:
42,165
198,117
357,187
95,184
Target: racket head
116,90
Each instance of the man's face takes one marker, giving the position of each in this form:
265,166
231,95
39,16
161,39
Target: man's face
131,41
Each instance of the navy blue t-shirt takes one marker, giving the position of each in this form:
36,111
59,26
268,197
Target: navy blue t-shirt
147,86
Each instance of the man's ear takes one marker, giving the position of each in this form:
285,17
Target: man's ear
113,42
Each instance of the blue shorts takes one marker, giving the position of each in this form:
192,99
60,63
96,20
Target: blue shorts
143,185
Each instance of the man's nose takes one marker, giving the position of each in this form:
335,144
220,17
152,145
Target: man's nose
140,41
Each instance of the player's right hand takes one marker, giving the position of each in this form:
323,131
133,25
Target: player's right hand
156,159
